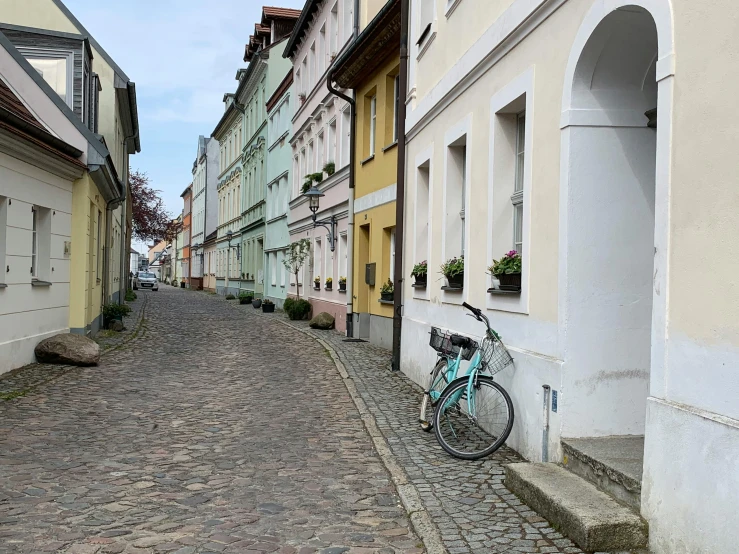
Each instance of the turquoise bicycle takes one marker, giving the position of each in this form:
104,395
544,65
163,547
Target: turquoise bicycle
474,414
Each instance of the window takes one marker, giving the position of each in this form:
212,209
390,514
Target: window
423,182
311,160
321,51
345,136
334,30
373,125
331,153
348,8
319,152
343,247
312,66
56,68
391,267
273,268
296,176
280,260
317,252
517,197
306,76
426,20
455,197
34,243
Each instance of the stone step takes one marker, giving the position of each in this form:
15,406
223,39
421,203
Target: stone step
591,518
613,464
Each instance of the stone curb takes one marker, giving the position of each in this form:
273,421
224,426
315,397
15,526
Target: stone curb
409,496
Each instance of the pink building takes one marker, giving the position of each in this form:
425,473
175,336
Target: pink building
320,136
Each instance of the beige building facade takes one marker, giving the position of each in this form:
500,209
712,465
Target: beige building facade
579,133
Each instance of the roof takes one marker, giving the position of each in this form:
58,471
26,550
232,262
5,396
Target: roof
187,190
374,45
18,120
50,33
272,12
301,27
131,86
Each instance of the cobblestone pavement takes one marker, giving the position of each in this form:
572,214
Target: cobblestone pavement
467,501
213,429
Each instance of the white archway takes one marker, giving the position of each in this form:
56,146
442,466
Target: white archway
614,216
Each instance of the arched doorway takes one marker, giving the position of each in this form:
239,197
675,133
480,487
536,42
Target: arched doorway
614,205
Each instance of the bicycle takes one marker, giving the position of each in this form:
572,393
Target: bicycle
474,414
451,349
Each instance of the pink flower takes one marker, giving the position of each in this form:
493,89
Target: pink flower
512,254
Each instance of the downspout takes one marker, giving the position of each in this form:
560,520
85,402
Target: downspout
352,163
109,207
400,190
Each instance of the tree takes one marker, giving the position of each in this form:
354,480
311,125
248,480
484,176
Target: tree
151,222
295,257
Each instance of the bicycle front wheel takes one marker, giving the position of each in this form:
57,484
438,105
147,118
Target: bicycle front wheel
436,385
472,427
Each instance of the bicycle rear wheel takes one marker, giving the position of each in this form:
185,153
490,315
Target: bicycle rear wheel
436,385
471,436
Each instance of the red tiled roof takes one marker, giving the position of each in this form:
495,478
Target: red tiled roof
280,13
259,28
10,102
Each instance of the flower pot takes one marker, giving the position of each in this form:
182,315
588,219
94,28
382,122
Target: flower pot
257,303
244,300
509,280
328,287
268,308
342,286
387,296
457,281
421,280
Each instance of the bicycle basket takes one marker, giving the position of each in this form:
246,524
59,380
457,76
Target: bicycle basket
495,356
441,341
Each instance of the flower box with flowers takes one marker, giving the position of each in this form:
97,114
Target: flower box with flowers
342,284
453,270
420,274
507,271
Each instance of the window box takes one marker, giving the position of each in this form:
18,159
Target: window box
501,291
382,301
452,289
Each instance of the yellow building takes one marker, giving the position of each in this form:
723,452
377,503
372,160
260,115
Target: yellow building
370,66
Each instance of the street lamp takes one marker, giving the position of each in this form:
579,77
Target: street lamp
314,201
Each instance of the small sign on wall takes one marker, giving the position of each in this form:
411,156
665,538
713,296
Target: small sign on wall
67,247
554,401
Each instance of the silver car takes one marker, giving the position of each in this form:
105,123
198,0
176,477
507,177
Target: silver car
145,280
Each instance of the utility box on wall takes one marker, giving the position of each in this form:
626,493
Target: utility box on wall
369,273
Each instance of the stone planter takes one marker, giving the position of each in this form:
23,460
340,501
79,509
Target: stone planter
257,303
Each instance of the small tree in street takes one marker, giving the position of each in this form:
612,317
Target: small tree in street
295,257
151,222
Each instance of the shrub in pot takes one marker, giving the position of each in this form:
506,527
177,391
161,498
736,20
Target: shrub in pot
115,311
268,306
297,309
342,283
245,298
420,273
329,283
507,271
453,270
317,282
329,168
387,291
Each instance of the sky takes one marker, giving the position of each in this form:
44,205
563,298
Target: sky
183,56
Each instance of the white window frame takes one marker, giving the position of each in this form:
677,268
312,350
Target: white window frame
3,236
425,26
346,120
462,129
34,242
426,157
396,105
518,184
523,85
343,254
391,269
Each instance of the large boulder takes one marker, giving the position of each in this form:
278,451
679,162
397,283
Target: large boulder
323,321
68,349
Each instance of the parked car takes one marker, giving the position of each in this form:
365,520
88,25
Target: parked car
145,280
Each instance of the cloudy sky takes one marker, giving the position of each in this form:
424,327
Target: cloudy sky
183,56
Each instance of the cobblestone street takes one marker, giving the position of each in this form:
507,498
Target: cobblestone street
211,427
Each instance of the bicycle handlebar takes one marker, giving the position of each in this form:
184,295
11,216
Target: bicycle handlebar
477,313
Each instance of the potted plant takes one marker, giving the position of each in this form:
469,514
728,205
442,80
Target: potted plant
301,97
317,282
420,273
507,271
387,291
330,168
342,283
268,306
453,270
112,312
245,298
329,283
256,303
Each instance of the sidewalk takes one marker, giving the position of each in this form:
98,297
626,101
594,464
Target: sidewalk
23,380
468,507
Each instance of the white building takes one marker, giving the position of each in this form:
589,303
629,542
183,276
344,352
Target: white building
205,171
530,126
43,152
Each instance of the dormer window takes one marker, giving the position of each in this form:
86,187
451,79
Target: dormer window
57,69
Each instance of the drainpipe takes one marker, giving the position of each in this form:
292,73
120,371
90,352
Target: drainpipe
545,426
400,190
352,163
